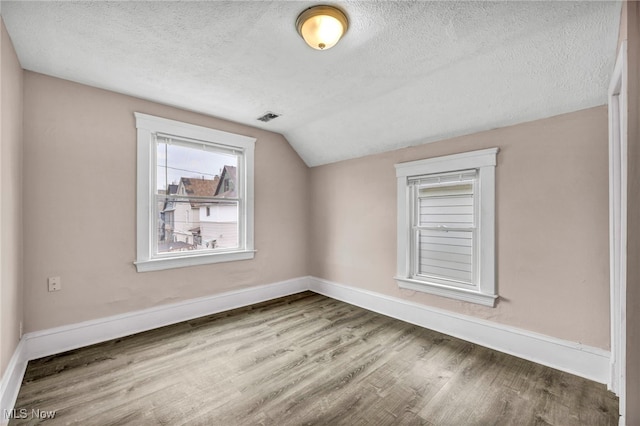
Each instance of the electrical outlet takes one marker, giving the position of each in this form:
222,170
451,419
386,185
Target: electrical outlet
55,283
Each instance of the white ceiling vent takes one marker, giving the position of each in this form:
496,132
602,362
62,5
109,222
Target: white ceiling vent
268,116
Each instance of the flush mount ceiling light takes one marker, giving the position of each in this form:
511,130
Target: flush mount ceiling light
322,26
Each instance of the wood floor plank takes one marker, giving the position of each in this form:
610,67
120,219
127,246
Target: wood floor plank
304,360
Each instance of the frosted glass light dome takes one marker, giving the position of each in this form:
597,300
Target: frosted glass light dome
322,27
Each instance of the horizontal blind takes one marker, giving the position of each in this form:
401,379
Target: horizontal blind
446,255
445,225
446,206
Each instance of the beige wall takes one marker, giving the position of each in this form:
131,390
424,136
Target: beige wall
10,198
630,30
552,225
80,208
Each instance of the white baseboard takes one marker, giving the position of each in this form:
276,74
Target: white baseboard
575,358
11,381
56,340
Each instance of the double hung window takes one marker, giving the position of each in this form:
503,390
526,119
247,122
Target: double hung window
446,226
195,195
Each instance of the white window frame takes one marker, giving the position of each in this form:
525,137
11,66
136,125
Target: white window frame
147,127
618,176
484,289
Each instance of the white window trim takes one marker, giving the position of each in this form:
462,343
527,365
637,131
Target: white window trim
485,292
148,126
618,176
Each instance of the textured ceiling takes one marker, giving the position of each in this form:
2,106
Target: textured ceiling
405,73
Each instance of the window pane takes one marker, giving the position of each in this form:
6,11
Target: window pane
196,161
446,255
185,226
449,205
196,198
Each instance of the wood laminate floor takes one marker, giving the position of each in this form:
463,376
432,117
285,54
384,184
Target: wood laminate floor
303,359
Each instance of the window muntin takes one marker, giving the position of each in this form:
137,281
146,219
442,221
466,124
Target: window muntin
184,215
446,226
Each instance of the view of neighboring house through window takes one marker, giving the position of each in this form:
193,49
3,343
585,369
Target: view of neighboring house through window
197,209
195,195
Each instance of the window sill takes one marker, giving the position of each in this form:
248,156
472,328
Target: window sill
450,292
198,259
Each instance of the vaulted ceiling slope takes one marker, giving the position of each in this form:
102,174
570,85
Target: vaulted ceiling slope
405,73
